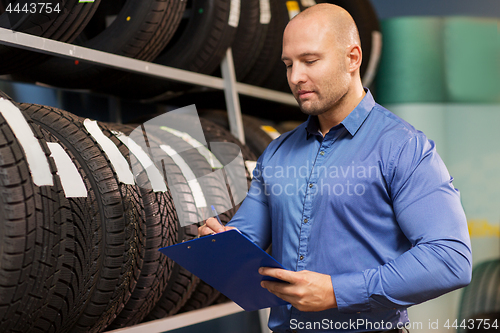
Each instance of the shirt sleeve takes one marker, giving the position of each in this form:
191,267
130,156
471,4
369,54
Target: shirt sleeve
253,218
428,210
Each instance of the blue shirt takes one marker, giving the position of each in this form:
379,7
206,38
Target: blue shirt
372,205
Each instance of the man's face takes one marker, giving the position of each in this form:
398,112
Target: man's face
316,65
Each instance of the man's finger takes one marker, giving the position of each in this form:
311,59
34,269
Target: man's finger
214,225
278,273
208,229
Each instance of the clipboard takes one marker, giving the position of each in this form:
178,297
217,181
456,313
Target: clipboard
229,262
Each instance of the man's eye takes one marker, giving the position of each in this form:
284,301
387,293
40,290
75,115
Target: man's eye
311,62
288,66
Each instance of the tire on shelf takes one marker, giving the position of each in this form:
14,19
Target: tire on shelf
34,227
481,298
65,304
133,28
180,283
271,51
258,135
250,35
63,26
120,227
204,294
180,286
196,158
161,231
199,45
277,78
192,152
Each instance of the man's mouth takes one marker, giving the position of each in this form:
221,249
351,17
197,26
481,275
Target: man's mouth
304,93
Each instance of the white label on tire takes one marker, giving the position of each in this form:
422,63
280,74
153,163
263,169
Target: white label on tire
37,161
116,158
209,156
293,9
308,3
194,185
265,12
234,13
155,177
71,180
250,165
271,131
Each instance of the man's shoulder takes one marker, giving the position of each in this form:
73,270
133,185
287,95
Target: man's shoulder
393,127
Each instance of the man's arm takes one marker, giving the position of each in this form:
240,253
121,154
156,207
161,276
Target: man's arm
252,218
428,210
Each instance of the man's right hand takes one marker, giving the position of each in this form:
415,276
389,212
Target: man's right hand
212,226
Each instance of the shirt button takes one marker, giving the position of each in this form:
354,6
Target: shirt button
310,185
301,257
322,153
305,220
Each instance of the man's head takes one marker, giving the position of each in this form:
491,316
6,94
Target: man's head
322,53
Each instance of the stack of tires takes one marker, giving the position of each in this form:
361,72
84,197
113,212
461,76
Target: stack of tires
192,35
83,211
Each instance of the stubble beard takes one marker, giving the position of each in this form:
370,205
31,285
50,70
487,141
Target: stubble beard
334,94
321,104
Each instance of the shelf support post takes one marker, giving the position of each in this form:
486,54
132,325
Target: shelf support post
232,99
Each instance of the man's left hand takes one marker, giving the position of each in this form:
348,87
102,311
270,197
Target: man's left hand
305,290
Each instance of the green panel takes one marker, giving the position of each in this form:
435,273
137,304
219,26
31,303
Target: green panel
472,59
411,68
467,138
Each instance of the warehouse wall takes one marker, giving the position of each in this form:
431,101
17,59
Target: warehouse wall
440,72
397,8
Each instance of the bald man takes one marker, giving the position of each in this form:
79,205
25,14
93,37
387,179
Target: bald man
358,205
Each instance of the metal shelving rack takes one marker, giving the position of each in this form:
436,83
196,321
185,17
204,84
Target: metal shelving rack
231,90
227,82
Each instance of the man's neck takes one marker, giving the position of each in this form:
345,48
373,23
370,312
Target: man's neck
341,110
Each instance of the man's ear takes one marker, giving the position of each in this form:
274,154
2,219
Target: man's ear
355,57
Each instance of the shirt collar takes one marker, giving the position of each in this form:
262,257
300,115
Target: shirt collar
352,122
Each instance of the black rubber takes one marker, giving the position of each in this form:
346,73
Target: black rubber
64,26
121,226
249,38
482,296
180,286
161,231
214,189
64,306
141,29
180,283
216,194
204,294
199,45
255,137
34,231
277,79
271,52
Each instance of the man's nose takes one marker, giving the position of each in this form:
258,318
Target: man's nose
297,75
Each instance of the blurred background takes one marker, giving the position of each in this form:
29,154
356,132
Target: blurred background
439,69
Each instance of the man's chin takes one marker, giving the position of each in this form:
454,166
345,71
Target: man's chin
310,111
